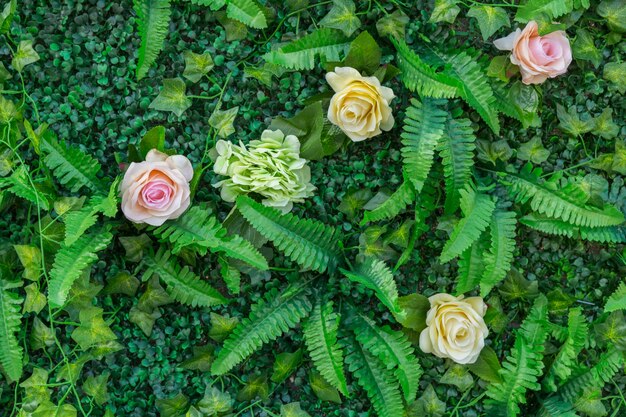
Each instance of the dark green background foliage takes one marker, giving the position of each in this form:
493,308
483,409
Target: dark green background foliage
85,88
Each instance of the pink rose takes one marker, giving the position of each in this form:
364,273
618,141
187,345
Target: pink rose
156,190
538,57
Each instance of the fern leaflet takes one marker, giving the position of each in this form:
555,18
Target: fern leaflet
18,183
153,19
11,353
498,259
552,8
248,12
390,208
471,267
613,234
617,300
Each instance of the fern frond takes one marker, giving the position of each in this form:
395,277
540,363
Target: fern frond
498,259
551,8
378,382
320,336
375,275
419,77
456,147
471,267
617,300
268,319
72,167
577,332
554,407
213,4
394,349
11,353
153,20
522,368
18,184
566,203
390,208
424,124
310,243
239,248
182,284
477,209
248,12
300,54
613,234
71,261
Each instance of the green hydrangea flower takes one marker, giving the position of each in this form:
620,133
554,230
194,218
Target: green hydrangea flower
270,167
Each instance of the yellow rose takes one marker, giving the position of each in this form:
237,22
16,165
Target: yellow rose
157,189
360,106
455,328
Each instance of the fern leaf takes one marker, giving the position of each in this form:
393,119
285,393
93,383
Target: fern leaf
248,12
230,275
376,276
378,382
72,167
394,349
268,319
71,261
213,4
320,336
477,209
554,407
419,77
153,19
423,128
182,284
551,8
18,184
566,203
522,368
308,242
390,208
613,234
471,267
200,230
456,147
577,332
617,300
300,54
11,353
498,259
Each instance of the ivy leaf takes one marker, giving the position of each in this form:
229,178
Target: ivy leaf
489,19
571,123
393,24
613,330
222,121
8,111
35,301
41,336
604,125
584,48
221,326
235,30
353,201
364,54
307,125
172,407
497,68
614,11
144,319
153,139
96,387
427,405
590,403
134,246
285,364
6,16
342,16
30,258
93,329
215,402
172,97
616,73
293,410
458,376
445,11
487,366
122,283
255,387
197,65
416,307
533,151
322,389
201,359
24,55
492,151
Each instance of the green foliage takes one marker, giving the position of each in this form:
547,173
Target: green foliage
471,266
498,259
617,300
11,352
320,336
172,97
342,16
490,19
182,284
391,207
615,234
153,19
268,319
248,12
310,243
551,8
18,183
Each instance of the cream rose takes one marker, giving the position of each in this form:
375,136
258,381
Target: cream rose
455,328
360,106
156,190
538,57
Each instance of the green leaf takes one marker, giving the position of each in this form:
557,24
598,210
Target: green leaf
144,319
490,19
96,387
614,11
222,121
30,258
487,366
6,16
445,11
41,336
293,410
24,55
585,49
221,326
71,261
197,65
300,54
285,364
35,301
201,359
416,307
392,206
93,329
19,184
590,403
617,300
393,24
268,319
320,336
533,151
571,123
613,330
307,125
172,97
459,376
307,242
231,276
551,8
471,266
322,389
342,16
215,402
616,73
498,259
235,30
353,201
182,284
427,405
248,12
364,54
153,139
134,246
153,19
11,352
256,386
121,283
172,407
604,125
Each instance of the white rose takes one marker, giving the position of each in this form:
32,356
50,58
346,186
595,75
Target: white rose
360,106
455,328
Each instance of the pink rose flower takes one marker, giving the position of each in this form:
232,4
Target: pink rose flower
538,57
156,190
